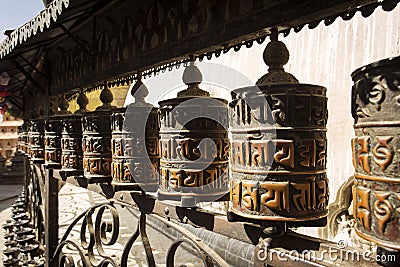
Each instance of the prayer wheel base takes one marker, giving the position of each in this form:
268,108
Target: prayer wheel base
37,161
277,222
52,165
134,187
94,180
189,199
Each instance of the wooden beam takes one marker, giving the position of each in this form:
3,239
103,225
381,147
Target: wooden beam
27,75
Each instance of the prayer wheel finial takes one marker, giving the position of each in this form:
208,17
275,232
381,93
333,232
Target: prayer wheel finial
276,55
106,97
139,92
63,105
82,102
192,77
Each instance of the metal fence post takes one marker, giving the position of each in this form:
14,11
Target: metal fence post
51,217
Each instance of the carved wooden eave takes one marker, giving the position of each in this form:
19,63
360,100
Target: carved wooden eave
76,44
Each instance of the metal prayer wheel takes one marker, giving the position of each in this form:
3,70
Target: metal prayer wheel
194,144
71,144
278,148
20,129
36,140
52,141
135,135
96,145
376,148
24,137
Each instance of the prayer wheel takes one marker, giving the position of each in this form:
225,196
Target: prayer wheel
376,147
20,129
96,141
194,145
278,148
52,142
24,137
71,144
96,145
135,156
36,140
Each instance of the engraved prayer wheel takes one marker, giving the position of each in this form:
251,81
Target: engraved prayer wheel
19,140
71,144
135,135
376,148
96,140
24,137
278,148
36,140
52,141
96,145
194,144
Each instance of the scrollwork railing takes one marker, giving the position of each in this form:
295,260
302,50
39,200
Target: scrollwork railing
99,230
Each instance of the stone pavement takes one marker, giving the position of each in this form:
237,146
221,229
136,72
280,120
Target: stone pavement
74,201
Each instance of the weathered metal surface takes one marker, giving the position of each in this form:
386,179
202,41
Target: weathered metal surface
194,144
36,140
52,141
23,142
278,173
376,190
71,143
279,146
189,167
135,153
96,145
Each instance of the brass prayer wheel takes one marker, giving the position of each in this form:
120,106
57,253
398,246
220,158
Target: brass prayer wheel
135,135
19,141
71,144
96,140
376,190
52,141
194,144
278,147
96,145
24,137
36,140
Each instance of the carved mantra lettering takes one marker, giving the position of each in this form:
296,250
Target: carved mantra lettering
52,155
99,166
71,161
383,209
374,210
175,179
363,209
96,145
280,196
71,143
261,153
382,152
191,149
135,147
37,153
134,171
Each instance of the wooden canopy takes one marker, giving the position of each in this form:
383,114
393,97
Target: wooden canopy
75,44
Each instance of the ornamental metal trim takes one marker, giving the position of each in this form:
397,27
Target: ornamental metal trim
32,27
